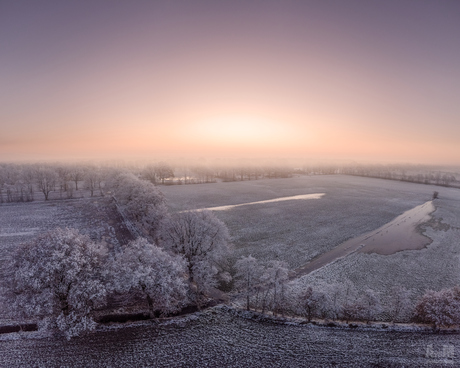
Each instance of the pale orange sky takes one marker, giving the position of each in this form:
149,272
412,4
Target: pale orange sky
338,80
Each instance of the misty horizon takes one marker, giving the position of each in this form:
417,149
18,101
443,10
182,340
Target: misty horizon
318,81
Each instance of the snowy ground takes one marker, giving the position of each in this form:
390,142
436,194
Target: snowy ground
297,231
217,338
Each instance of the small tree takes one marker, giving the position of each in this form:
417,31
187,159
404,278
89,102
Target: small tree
371,305
275,278
59,275
46,180
400,302
160,277
248,273
163,171
312,303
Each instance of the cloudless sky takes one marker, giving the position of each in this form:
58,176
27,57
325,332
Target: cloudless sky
357,79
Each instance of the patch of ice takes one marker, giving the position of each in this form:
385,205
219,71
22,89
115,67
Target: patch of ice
281,199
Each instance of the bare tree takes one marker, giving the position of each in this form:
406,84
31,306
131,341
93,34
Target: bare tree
312,303
400,302
163,171
275,278
46,180
76,174
248,274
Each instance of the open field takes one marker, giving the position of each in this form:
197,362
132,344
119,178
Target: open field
298,231
217,338
293,230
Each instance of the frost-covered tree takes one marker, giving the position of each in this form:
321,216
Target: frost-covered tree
350,307
203,240
312,302
441,308
274,280
371,306
91,177
59,275
161,278
400,302
163,171
142,202
47,179
247,277
76,174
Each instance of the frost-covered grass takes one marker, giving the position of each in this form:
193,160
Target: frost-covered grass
297,231
220,338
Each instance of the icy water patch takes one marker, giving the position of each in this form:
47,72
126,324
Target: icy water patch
281,199
31,231
399,234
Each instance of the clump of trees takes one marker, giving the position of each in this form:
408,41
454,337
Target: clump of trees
176,260
21,183
60,276
142,203
266,287
160,277
439,308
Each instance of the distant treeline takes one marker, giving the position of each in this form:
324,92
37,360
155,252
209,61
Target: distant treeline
413,174
29,182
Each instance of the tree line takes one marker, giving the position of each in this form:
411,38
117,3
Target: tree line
21,183
62,276
266,287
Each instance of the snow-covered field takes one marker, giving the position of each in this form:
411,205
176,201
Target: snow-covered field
297,231
294,231
218,338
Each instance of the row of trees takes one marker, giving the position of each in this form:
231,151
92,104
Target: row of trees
63,277
265,287
164,173
20,183
414,174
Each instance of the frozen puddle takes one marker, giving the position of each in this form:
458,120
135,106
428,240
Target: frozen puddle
397,235
281,199
31,231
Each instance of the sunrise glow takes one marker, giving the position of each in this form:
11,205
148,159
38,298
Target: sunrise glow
338,80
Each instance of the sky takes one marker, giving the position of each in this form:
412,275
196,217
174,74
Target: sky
361,80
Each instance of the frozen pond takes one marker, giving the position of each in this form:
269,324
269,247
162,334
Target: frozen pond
397,235
281,199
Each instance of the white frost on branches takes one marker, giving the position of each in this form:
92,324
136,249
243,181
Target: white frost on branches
58,275
160,277
203,241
